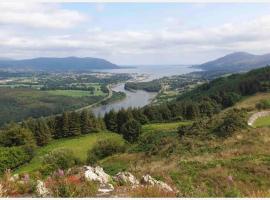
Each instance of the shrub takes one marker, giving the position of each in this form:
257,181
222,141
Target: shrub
12,157
153,143
131,130
14,135
62,158
71,186
234,120
263,104
105,147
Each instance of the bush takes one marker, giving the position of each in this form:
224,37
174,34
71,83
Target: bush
62,158
71,186
131,130
12,157
154,143
104,148
234,120
263,104
15,135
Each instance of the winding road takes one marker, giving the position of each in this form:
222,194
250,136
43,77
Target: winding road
95,104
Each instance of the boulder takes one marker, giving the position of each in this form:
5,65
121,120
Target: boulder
96,174
42,191
148,180
125,178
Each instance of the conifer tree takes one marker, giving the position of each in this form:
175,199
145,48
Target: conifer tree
74,124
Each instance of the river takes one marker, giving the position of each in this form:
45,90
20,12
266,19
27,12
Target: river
139,98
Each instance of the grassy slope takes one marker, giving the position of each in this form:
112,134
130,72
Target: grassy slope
79,145
202,168
262,122
163,126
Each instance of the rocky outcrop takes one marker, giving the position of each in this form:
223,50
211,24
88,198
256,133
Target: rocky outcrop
41,190
257,115
125,178
98,174
148,180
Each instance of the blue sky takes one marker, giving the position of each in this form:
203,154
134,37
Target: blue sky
134,33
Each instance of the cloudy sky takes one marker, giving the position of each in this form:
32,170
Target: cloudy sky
134,33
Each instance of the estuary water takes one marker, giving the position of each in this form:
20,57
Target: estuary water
140,98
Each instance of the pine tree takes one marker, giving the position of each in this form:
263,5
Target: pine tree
42,132
122,117
111,121
74,124
86,122
131,130
65,125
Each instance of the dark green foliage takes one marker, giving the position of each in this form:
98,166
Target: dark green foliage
15,135
122,117
110,119
104,148
40,129
65,125
157,143
234,120
12,157
263,104
74,124
131,130
86,123
199,127
58,159
139,116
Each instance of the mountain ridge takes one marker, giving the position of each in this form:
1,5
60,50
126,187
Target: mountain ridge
236,62
71,63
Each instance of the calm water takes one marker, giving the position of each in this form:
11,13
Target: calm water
139,98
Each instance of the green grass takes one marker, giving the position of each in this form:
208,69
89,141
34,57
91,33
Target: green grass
164,126
79,145
71,93
262,122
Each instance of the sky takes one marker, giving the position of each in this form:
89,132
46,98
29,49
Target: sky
134,33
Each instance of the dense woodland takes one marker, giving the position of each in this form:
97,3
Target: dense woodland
19,141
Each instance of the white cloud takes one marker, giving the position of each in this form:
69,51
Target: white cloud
38,15
170,45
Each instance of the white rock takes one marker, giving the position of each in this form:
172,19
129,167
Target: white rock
126,178
96,174
148,180
42,191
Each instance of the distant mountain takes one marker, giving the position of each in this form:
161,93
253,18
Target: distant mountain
57,64
237,62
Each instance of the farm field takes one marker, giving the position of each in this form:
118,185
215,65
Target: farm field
19,103
73,93
79,145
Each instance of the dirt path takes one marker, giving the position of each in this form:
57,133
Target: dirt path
257,115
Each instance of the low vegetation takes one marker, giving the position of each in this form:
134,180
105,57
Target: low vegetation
200,143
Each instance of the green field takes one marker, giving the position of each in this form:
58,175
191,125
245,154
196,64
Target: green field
262,122
79,145
71,93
